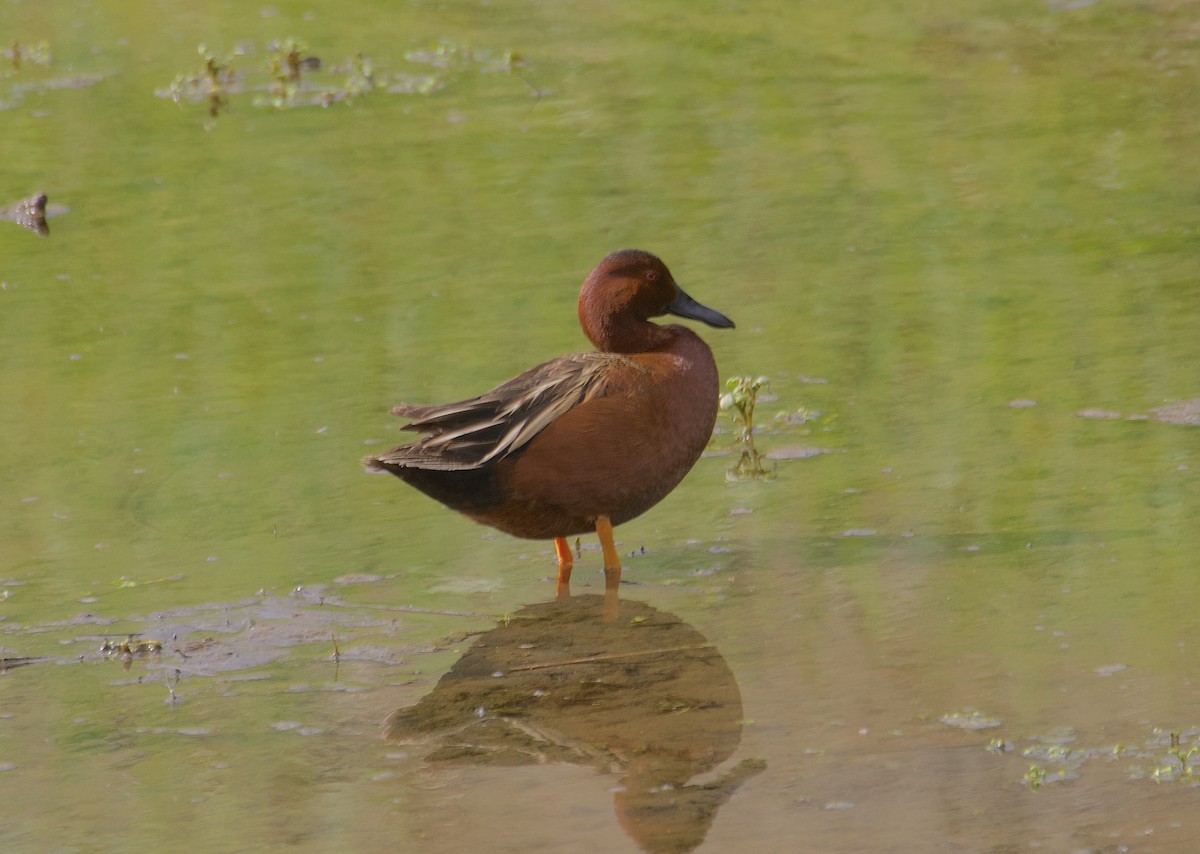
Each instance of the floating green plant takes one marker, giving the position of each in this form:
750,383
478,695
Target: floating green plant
210,85
289,59
27,68
291,76
1179,766
1035,777
739,401
131,646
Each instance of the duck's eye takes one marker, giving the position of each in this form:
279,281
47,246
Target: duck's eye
651,275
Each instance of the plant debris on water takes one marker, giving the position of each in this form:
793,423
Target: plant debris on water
19,55
1166,756
25,64
1181,762
292,76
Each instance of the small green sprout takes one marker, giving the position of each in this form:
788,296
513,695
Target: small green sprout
288,60
1035,777
1186,769
739,401
210,85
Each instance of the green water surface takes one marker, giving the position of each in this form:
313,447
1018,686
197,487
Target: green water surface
945,230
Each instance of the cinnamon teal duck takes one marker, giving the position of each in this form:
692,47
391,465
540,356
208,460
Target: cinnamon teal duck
585,441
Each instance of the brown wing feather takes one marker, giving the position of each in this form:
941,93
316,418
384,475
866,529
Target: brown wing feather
471,433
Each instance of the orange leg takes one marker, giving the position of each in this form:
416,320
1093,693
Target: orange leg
563,589
605,532
612,567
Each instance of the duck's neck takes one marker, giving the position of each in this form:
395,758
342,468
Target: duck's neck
629,336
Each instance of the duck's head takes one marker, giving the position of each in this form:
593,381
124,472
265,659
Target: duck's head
626,289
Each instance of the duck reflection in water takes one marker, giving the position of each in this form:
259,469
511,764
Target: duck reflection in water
645,696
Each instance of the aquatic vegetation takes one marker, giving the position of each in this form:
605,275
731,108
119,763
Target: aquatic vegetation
739,402
19,54
287,62
1179,764
131,646
291,76
1055,765
1164,757
127,650
210,85
288,59
1034,777
742,397
26,68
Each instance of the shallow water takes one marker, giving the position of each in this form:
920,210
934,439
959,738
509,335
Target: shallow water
960,240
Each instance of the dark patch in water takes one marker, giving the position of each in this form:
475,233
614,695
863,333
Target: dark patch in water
31,213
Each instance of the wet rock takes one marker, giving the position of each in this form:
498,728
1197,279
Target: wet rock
28,213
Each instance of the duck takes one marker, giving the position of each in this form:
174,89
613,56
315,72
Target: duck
586,441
